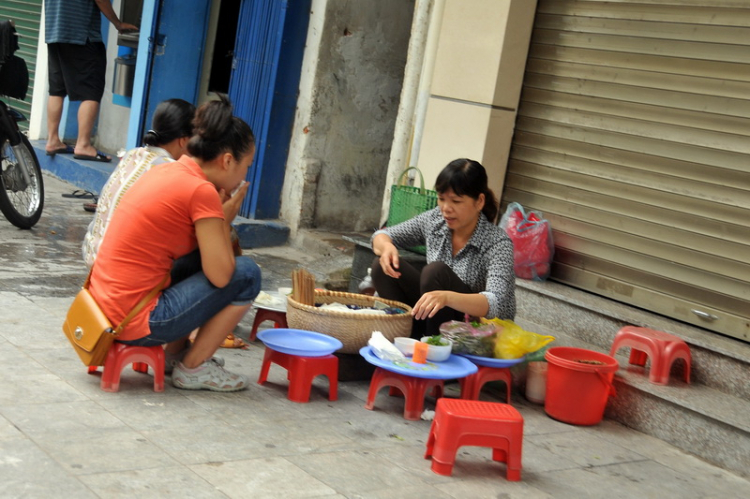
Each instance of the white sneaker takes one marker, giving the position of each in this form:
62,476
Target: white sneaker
211,376
172,359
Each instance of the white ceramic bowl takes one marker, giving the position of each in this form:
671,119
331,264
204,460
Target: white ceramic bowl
438,353
405,345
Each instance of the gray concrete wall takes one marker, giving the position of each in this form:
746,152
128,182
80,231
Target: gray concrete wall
358,81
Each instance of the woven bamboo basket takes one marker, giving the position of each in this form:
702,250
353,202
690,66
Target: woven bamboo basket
352,329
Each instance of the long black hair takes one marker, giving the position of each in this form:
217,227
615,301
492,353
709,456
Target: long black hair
173,119
216,130
467,177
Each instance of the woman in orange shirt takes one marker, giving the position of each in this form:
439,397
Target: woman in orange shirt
173,210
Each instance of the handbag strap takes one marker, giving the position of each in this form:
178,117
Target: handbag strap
138,307
421,178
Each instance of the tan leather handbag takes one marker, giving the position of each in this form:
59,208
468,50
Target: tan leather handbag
90,331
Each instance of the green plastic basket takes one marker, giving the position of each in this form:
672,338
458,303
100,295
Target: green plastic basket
408,202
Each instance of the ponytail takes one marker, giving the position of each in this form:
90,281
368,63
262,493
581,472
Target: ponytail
216,130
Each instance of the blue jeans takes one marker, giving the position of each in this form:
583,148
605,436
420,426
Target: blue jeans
191,301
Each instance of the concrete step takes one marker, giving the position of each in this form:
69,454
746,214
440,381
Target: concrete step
718,361
710,417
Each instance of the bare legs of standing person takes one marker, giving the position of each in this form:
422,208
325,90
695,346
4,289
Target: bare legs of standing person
54,115
87,114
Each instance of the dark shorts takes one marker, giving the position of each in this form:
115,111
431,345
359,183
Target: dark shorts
77,70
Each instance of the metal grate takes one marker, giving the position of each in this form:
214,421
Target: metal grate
633,138
27,14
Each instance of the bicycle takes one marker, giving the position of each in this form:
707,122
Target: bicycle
21,183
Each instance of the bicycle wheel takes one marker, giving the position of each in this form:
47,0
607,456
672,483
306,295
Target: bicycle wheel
21,185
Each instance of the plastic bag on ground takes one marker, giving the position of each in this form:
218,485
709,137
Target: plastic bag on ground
533,247
513,341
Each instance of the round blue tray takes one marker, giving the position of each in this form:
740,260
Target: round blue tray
453,368
490,362
299,342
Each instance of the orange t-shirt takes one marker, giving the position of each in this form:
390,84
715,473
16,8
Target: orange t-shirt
153,225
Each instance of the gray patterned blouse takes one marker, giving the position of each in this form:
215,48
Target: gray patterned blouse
485,264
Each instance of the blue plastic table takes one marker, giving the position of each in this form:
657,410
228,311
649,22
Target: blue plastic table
413,380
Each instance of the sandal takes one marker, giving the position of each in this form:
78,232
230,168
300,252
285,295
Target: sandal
231,341
99,156
80,194
91,207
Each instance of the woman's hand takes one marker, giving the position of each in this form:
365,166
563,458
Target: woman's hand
384,247
232,204
430,303
389,262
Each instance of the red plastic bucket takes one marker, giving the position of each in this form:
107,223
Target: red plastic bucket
579,382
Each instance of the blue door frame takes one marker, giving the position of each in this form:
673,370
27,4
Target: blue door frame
270,44
169,58
265,78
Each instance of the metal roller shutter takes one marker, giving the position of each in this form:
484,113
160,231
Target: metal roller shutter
633,138
27,15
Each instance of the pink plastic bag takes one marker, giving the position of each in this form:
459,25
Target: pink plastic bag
533,247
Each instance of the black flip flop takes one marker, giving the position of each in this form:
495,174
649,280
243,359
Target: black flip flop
100,156
61,150
80,194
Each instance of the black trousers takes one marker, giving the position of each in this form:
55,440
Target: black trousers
413,284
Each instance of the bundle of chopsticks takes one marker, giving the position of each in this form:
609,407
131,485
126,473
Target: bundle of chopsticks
303,287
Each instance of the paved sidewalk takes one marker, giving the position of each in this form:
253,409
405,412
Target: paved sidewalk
61,436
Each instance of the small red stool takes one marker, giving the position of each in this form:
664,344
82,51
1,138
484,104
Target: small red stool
461,422
301,371
265,314
120,355
414,390
662,348
472,385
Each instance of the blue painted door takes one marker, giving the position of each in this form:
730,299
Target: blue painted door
178,45
265,79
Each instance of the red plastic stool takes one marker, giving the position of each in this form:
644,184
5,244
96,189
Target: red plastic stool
662,348
301,371
461,422
120,355
471,385
264,314
414,390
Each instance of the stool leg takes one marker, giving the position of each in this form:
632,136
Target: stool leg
430,441
300,381
141,367
445,469
687,368
416,390
637,357
467,386
333,380
394,392
265,366
375,385
112,370
159,371
256,322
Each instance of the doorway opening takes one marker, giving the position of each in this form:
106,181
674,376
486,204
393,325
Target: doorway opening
219,53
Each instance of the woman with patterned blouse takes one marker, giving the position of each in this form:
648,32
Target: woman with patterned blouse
469,267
